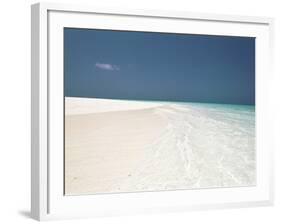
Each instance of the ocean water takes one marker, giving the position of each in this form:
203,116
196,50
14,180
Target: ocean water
203,146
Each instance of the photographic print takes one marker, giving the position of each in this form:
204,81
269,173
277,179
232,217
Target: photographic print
148,111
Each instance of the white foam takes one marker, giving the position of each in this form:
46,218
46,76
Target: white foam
199,149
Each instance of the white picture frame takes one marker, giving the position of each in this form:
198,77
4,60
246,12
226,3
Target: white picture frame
47,197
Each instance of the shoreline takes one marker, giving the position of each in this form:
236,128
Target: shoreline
159,101
140,146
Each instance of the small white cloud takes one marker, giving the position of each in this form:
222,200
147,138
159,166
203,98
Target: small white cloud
108,67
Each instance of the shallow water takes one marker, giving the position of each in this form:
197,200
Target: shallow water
203,146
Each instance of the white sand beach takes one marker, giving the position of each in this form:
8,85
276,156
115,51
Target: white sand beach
127,146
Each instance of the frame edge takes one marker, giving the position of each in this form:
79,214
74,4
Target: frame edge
176,14
35,176
39,144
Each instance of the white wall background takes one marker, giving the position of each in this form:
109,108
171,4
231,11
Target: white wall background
15,110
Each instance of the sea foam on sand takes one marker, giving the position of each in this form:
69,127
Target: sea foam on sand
127,146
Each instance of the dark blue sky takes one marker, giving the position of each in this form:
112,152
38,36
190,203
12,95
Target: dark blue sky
159,66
